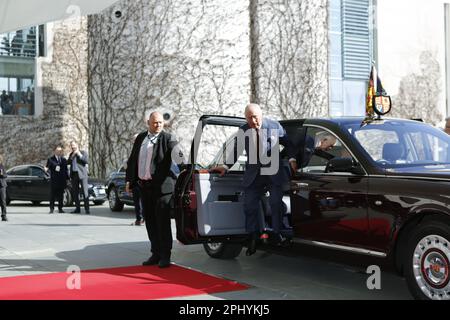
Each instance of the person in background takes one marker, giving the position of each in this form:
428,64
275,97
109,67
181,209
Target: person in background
3,189
78,161
57,166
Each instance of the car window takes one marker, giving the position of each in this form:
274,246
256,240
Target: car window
375,146
37,172
402,143
23,171
216,141
319,147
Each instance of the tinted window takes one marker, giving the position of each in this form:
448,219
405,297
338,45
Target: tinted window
37,172
23,171
320,146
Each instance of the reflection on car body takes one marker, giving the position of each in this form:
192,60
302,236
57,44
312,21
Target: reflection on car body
383,192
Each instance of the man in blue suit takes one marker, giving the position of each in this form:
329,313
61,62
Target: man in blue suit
261,141
57,167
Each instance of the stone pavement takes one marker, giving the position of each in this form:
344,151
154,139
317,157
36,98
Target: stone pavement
34,242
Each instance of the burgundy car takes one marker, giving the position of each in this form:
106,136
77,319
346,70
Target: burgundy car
383,189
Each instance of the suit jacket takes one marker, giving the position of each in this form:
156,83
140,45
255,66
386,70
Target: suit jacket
82,163
58,178
162,166
3,176
271,131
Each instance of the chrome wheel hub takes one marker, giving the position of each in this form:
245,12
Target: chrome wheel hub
214,245
431,265
112,198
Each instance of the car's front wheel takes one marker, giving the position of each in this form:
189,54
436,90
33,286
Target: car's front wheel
427,261
114,202
221,250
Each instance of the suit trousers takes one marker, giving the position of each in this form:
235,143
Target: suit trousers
3,201
76,182
157,220
137,202
56,193
252,200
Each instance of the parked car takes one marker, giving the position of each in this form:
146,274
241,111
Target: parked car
384,192
31,183
115,190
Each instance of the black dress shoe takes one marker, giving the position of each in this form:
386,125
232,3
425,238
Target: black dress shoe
51,211
61,211
164,263
153,260
281,241
76,211
4,219
87,212
251,249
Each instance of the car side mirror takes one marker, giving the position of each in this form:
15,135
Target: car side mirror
344,165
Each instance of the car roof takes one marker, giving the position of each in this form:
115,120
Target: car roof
27,165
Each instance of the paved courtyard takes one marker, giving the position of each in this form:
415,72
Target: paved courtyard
35,242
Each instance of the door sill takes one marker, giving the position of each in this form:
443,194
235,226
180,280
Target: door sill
363,251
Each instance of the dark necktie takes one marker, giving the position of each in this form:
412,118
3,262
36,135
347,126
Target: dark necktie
257,147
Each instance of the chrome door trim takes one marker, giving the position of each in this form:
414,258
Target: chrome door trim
341,248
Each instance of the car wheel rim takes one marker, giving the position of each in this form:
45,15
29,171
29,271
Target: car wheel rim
112,199
214,246
66,199
431,265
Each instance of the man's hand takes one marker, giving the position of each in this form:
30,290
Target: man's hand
220,170
128,189
294,166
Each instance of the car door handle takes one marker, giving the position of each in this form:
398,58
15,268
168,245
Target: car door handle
221,179
302,185
27,181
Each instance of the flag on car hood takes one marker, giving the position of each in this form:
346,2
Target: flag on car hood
375,88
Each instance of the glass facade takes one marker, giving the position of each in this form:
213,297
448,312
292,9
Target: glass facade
18,52
350,55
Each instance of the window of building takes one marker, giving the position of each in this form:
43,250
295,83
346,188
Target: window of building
18,52
350,54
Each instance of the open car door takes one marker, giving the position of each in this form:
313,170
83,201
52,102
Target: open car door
209,208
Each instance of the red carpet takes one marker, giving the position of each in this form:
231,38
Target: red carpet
127,283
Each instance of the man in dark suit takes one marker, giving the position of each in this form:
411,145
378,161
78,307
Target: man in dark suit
57,167
78,161
261,173
3,189
149,166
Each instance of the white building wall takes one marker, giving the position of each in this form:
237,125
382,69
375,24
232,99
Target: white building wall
406,29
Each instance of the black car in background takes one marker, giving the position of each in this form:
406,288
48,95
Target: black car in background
115,190
32,183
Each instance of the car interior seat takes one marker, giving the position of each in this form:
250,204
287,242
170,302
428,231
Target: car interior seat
393,152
